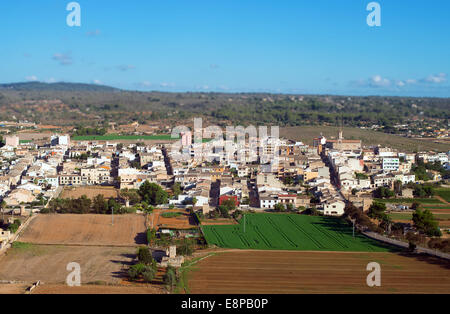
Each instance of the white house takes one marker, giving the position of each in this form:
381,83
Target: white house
334,208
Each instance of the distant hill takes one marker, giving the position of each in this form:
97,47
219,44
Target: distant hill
76,104
57,87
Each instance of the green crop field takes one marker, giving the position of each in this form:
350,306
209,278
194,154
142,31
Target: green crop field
290,232
171,214
444,193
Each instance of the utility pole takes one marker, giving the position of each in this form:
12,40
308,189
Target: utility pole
353,220
112,215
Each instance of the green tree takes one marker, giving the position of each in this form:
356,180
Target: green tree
424,221
279,207
152,193
186,247
99,204
151,235
170,277
377,210
145,256
148,274
176,188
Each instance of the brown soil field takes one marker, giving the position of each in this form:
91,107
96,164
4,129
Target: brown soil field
89,229
98,289
90,192
184,221
16,288
48,263
251,272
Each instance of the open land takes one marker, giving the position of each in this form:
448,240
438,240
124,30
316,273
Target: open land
289,232
251,272
368,137
182,220
47,263
90,229
89,191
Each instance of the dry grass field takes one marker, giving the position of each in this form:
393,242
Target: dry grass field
98,289
90,229
90,192
48,263
251,272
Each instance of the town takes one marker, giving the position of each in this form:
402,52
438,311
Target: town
184,200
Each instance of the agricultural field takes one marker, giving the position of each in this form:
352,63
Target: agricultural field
98,289
16,288
290,232
259,272
408,216
116,137
218,221
368,137
444,193
90,192
409,200
171,219
31,262
89,229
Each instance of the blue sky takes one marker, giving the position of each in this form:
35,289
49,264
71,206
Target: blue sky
300,46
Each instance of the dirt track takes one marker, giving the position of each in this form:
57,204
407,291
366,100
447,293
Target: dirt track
70,229
316,272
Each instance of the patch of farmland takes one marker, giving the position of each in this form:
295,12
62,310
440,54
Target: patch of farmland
444,193
48,263
409,200
89,229
98,289
90,192
259,272
171,219
290,232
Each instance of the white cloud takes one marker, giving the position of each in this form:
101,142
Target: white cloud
98,82
164,84
436,79
31,78
63,58
378,81
146,84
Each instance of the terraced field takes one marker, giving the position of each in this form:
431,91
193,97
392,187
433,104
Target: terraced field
290,232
